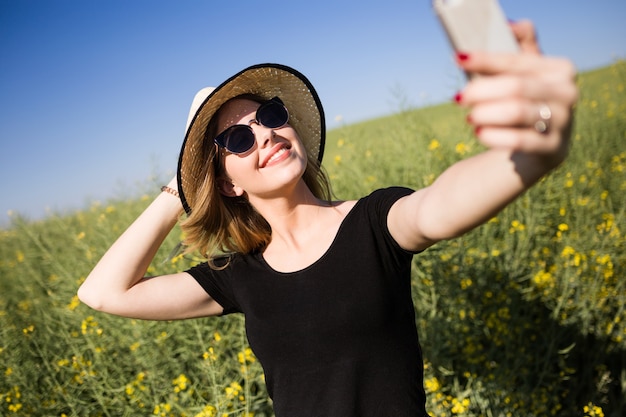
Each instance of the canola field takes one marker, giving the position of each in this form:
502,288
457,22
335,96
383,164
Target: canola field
524,316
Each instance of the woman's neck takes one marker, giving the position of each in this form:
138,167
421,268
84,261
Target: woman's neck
303,228
291,212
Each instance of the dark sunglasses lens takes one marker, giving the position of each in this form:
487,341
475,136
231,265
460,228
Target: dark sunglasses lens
272,114
236,139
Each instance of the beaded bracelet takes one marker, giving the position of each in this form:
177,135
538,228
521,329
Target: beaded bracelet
169,190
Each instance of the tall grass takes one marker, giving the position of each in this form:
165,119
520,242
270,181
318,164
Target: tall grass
524,316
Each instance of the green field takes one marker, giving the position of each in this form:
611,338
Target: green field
525,316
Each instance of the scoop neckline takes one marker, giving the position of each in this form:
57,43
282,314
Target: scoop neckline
263,261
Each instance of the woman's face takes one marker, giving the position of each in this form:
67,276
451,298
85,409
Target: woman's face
277,160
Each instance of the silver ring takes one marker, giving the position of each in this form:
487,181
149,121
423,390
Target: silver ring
543,124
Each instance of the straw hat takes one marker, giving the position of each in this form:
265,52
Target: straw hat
306,116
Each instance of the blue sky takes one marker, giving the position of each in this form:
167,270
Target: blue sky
94,94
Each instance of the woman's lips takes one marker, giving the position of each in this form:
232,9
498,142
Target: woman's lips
278,153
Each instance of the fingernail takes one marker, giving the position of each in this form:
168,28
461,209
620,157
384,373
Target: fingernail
468,118
462,56
458,97
477,130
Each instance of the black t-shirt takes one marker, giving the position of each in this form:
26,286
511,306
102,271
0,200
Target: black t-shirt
338,338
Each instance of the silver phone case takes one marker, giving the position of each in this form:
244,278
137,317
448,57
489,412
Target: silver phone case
476,25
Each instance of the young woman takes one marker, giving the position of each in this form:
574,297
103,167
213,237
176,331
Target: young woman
325,285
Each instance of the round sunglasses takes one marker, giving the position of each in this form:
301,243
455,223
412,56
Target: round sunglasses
239,139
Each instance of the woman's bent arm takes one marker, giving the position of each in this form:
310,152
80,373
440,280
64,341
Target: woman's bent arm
117,284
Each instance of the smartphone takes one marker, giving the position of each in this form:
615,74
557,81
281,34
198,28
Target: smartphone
475,25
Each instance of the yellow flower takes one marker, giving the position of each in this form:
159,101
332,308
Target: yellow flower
516,226
74,303
432,384
162,409
209,355
466,283
582,201
176,258
604,259
434,144
246,356
593,410
460,407
543,279
207,411
90,326
233,390
568,251
180,383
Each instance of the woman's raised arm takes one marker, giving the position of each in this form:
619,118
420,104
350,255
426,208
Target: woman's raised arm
117,284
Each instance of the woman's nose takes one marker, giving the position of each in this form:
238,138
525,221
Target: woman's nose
264,135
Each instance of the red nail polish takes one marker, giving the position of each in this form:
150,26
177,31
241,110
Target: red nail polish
468,118
477,130
458,97
462,56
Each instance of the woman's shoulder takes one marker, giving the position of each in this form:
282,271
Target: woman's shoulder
344,206
392,192
386,196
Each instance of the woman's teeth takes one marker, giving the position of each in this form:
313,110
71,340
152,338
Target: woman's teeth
276,155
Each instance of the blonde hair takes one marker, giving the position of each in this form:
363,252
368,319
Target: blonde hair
219,224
